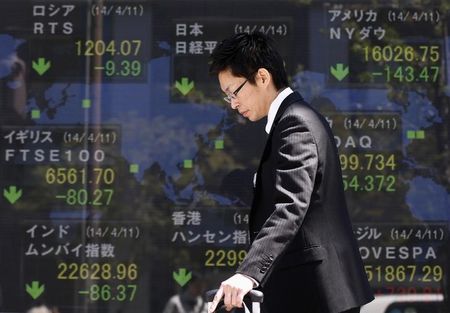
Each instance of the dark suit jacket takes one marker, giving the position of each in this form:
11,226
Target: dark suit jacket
303,248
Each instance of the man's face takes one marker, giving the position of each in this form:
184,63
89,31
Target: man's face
249,100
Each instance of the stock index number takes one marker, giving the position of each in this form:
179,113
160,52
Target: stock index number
368,162
97,271
113,47
111,293
95,197
72,176
224,258
402,53
404,273
123,68
369,183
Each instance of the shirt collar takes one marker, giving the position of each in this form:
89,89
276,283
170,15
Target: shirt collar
275,105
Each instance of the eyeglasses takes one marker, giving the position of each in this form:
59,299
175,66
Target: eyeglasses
232,96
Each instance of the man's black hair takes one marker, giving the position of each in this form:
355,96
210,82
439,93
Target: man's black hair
243,54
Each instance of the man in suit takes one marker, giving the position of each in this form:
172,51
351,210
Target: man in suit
303,252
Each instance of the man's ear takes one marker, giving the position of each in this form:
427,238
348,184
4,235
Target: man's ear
264,76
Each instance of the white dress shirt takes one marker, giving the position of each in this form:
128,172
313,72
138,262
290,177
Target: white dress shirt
275,105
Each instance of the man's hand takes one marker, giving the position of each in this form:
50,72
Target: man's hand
233,291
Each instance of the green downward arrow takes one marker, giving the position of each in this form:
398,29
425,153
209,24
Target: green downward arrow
35,290
41,66
12,194
339,72
182,277
185,86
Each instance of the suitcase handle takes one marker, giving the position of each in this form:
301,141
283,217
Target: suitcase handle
255,295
